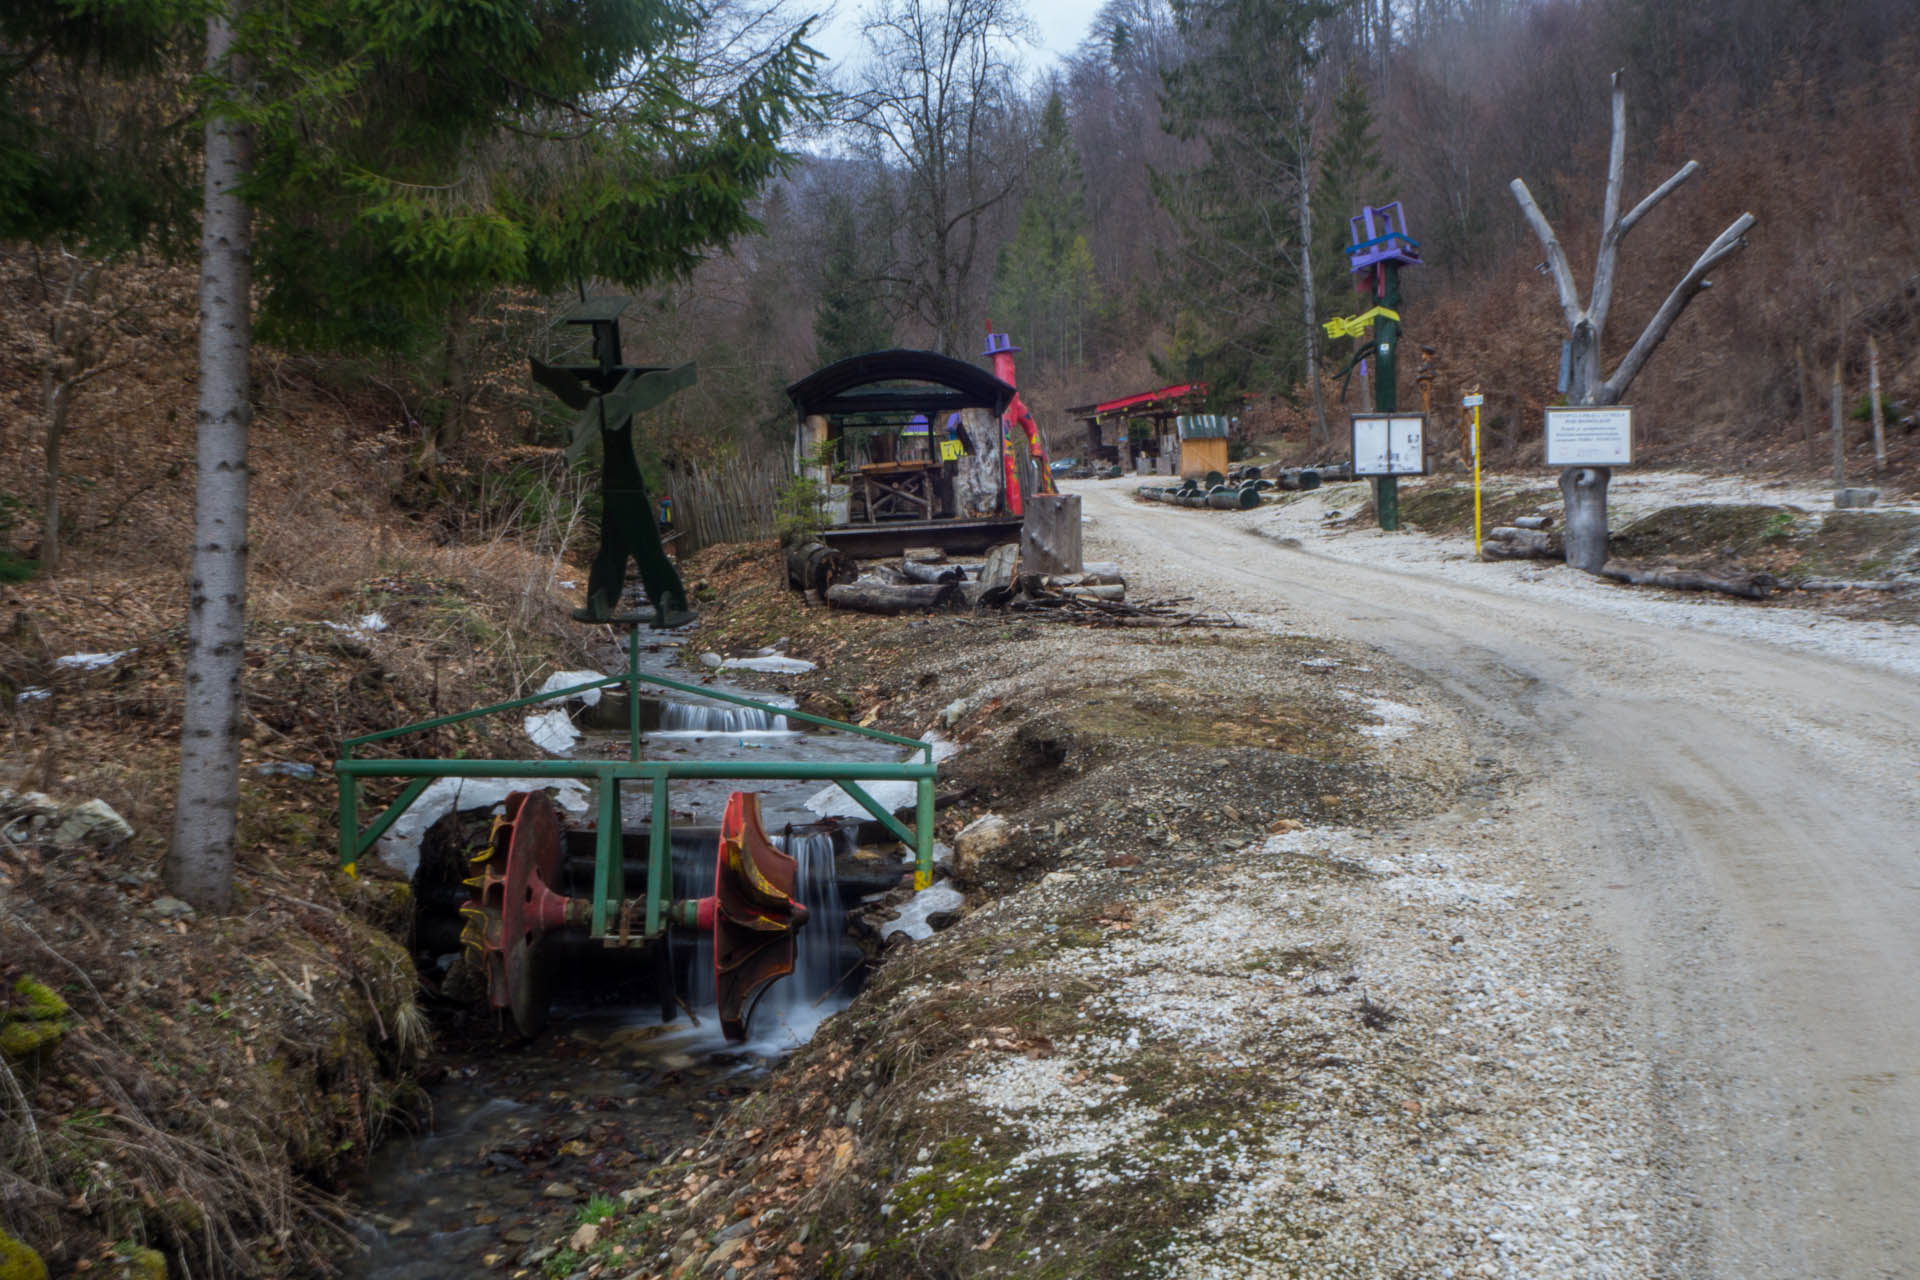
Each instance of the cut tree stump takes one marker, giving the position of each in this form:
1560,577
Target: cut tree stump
1585,490
1050,533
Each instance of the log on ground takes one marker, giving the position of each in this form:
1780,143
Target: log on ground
919,571
874,597
1748,586
814,566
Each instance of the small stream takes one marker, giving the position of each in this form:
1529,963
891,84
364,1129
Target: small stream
523,1135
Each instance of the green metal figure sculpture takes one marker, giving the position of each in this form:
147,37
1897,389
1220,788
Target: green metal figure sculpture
609,394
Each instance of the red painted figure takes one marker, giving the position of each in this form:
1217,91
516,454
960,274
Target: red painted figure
1000,347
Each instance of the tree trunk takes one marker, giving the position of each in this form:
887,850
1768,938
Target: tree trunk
58,396
1320,433
1837,430
1806,405
200,862
1879,414
1585,539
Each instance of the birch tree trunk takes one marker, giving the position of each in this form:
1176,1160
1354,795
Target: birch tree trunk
200,862
1301,125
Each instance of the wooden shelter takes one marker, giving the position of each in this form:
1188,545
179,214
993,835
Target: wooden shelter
1137,432
909,447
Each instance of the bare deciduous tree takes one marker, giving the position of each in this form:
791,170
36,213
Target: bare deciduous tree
95,324
1587,384
937,102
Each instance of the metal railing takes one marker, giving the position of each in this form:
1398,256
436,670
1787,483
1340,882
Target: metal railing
609,893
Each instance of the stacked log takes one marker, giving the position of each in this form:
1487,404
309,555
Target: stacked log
1224,497
1510,542
872,596
814,566
922,572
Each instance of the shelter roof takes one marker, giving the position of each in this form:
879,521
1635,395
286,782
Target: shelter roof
896,381
1168,399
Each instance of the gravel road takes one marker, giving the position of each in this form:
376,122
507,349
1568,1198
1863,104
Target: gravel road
1723,797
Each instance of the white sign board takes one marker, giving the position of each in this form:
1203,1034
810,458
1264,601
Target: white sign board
1590,437
1389,444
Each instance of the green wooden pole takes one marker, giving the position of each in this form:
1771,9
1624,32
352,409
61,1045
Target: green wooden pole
1386,341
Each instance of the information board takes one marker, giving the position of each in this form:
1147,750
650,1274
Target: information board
1590,437
1389,444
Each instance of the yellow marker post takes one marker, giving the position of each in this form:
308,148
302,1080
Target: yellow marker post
1474,402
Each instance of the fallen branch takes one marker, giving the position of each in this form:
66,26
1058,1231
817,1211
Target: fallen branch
1748,586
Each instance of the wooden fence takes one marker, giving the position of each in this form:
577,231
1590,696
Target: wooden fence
730,502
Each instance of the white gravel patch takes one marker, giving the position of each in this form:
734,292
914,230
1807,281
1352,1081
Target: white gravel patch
1490,1126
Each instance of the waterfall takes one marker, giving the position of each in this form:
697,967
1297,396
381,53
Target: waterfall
687,717
791,1007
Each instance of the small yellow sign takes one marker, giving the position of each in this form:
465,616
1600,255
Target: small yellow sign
951,450
1354,326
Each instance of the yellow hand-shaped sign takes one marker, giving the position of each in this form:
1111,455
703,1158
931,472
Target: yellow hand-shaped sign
1354,326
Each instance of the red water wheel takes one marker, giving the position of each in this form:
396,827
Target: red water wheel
515,910
754,916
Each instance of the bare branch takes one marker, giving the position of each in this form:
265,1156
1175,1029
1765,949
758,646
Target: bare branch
1600,297
1556,256
1724,246
1616,161
1654,197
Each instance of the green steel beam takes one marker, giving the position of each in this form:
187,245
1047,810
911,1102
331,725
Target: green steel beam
608,862
872,806
363,841
459,716
659,865
585,770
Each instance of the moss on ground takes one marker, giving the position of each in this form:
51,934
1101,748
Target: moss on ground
1448,508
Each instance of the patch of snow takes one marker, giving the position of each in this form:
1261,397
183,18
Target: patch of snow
832,802
32,695
90,661
372,622
567,679
933,900
1396,719
552,731
400,847
770,663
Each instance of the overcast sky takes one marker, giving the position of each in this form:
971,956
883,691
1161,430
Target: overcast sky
1061,25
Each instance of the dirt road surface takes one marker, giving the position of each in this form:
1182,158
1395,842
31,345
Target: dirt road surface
1738,817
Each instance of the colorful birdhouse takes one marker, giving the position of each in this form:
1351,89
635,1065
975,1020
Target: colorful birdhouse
1380,236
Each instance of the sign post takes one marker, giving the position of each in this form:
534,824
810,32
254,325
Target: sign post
1474,402
1387,446
1381,246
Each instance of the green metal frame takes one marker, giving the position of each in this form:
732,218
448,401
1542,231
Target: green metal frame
609,882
